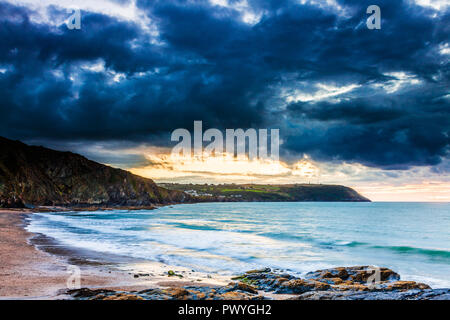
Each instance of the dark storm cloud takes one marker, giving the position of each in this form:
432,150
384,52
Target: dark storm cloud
389,131
392,131
178,90
31,45
206,63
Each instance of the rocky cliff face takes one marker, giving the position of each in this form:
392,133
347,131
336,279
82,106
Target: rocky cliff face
32,175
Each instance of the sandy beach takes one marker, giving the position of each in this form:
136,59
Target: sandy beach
27,272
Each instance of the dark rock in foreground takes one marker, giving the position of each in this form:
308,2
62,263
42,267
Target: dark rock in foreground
415,294
345,283
238,291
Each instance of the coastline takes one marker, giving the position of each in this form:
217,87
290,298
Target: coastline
36,267
29,273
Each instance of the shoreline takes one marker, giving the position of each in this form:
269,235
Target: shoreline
35,266
29,273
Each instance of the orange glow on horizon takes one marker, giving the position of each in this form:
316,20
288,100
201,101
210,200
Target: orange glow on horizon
227,169
427,191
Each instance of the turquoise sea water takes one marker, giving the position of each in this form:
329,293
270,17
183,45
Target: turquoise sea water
410,238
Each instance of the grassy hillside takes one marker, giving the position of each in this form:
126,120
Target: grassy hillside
256,192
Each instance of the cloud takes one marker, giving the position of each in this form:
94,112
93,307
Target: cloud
337,91
323,92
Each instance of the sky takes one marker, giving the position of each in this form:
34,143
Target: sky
369,109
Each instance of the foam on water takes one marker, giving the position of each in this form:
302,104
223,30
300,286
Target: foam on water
411,238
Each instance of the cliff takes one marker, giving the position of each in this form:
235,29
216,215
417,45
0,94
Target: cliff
31,175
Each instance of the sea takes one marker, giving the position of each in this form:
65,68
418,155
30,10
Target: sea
411,238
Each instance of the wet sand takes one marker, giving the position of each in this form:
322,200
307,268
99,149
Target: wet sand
35,267
26,272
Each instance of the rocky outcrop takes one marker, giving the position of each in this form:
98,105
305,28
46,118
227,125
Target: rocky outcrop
230,292
429,294
346,283
358,282
37,176
358,275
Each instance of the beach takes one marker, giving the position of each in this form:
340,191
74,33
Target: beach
27,272
176,253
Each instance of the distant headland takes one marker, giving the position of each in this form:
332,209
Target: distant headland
267,192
